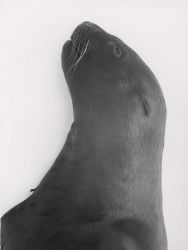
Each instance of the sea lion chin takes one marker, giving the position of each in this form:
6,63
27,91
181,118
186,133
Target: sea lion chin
104,189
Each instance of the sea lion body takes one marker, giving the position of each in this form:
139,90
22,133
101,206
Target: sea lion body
103,192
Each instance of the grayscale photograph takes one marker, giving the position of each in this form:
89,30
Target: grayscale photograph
94,125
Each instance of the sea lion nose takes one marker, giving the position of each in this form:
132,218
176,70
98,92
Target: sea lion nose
86,23
91,26
83,31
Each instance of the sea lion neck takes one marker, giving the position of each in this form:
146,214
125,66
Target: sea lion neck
101,122
94,141
95,129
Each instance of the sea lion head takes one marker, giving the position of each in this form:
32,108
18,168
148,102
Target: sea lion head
109,81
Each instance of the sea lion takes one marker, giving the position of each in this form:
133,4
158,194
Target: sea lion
103,192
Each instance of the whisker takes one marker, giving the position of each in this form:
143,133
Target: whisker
82,54
74,58
74,66
73,53
77,52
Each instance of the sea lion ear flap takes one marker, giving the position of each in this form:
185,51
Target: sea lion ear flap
146,105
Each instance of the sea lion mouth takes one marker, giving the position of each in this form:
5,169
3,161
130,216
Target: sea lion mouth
79,44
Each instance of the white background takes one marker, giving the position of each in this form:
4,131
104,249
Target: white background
36,110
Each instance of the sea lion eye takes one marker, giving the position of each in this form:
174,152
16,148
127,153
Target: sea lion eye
117,51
